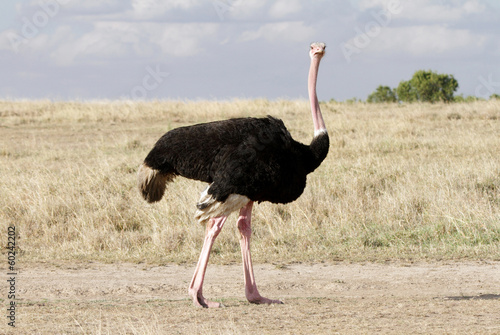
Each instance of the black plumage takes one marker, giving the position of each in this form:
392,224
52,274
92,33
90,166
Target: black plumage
254,157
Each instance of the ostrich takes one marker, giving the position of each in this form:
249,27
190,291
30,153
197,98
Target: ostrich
243,160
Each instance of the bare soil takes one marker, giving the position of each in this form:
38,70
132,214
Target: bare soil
393,298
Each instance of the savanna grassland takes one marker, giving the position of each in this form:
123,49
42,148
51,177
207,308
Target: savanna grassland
401,182
398,231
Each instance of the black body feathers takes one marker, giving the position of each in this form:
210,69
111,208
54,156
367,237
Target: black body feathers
254,157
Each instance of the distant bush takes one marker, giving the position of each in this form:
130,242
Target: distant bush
353,100
469,98
424,86
427,86
382,94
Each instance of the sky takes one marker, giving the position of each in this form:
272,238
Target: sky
244,49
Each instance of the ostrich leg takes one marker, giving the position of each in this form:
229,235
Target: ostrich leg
244,225
214,226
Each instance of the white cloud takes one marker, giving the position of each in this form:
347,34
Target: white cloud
122,40
428,10
427,40
185,39
421,28
474,7
38,42
283,8
281,31
165,5
242,9
108,40
143,9
9,39
369,4
95,6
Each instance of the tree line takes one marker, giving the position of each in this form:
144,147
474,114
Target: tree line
424,86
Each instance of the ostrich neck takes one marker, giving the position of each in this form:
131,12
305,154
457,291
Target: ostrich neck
319,124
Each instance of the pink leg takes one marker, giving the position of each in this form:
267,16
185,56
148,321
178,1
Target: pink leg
244,225
214,226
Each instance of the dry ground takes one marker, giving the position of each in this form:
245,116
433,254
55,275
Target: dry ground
397,298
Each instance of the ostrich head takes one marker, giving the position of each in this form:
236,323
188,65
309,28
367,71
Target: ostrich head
317,48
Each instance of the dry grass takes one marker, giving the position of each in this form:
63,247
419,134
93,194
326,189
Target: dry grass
400,182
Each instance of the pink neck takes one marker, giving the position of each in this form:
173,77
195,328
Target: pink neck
319,124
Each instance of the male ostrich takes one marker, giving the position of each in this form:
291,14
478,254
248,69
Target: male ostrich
243,160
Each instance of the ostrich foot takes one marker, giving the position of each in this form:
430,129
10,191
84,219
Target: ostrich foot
200,301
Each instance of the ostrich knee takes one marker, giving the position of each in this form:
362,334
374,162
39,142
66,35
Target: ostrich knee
245,229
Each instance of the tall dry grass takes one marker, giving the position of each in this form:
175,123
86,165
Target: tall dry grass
414,181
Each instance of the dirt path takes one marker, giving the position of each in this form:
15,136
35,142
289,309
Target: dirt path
462,298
